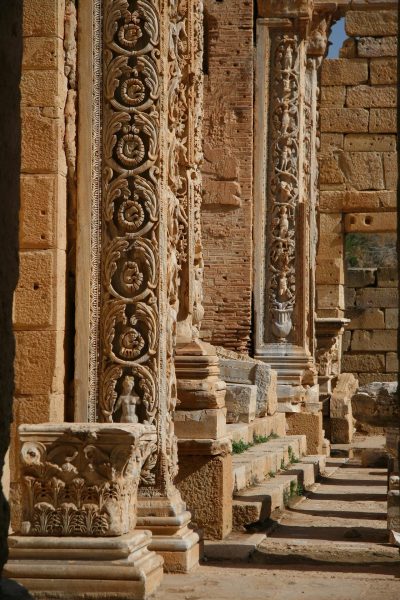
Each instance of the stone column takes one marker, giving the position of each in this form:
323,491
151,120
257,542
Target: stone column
200,419
140,187
290,46
79,511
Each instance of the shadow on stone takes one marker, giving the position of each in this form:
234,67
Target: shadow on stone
11,590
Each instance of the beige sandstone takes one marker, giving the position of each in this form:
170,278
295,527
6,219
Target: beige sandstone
362,170
344,120
376,340
44,19
392,318
383,71
42,139
41,52
374,23
369,142
329,271
376,47
379,298
42,212
371,363
331,141
369,318
307,424
349,201
330,296
366,378
383,120
360,277
372,222
387,277
392,362
390,165
343,71
368,97
43,88
333,95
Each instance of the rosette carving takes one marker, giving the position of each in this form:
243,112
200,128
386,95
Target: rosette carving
130,216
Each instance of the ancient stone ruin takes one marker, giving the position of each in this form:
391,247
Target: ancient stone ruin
207,302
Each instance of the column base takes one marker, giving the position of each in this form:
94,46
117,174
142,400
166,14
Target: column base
120,567
172,538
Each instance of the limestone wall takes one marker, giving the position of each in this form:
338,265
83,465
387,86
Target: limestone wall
227,172
358,183
39,300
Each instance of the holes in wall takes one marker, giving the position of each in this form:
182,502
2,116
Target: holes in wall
336,38
36,286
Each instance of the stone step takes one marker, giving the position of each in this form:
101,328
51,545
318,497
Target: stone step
256,503
261,426
256,463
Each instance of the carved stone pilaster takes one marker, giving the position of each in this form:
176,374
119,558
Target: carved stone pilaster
140,239
286,193
79,503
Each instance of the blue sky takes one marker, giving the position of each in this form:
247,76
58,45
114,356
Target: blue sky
337,38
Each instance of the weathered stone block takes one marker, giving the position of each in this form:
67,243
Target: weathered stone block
239,370
344,71
333,95
44,18
374,23
42,143
41,52
360,277
240,402
354,363
383,120
349,201
371,47
348,49
331,141
376,404
371,222
376,340
383,71
43,88
42,212
377,298
362,170
387,277
368,97
344,120
329,271
330,172
330,245
365,142
346,341
330,223
309,425
391,170
392,362
349,297
200,424
367,378
330,296
369,318
39,362
39,299
205,483
392,318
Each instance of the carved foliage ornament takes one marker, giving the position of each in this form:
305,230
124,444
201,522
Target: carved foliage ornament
130,211
283,184
80,486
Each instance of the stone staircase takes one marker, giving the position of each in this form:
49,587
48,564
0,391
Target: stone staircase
268,474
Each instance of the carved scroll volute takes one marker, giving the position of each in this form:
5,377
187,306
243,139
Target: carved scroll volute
283,185
130,277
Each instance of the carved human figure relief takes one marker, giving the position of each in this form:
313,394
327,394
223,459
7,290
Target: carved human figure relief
127,401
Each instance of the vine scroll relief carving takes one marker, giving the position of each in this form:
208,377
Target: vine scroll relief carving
129,375
283,184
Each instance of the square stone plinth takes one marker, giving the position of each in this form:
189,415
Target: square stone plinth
74,568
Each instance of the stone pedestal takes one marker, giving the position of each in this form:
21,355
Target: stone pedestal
70,568
341,413
205,473
77,537
205,482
